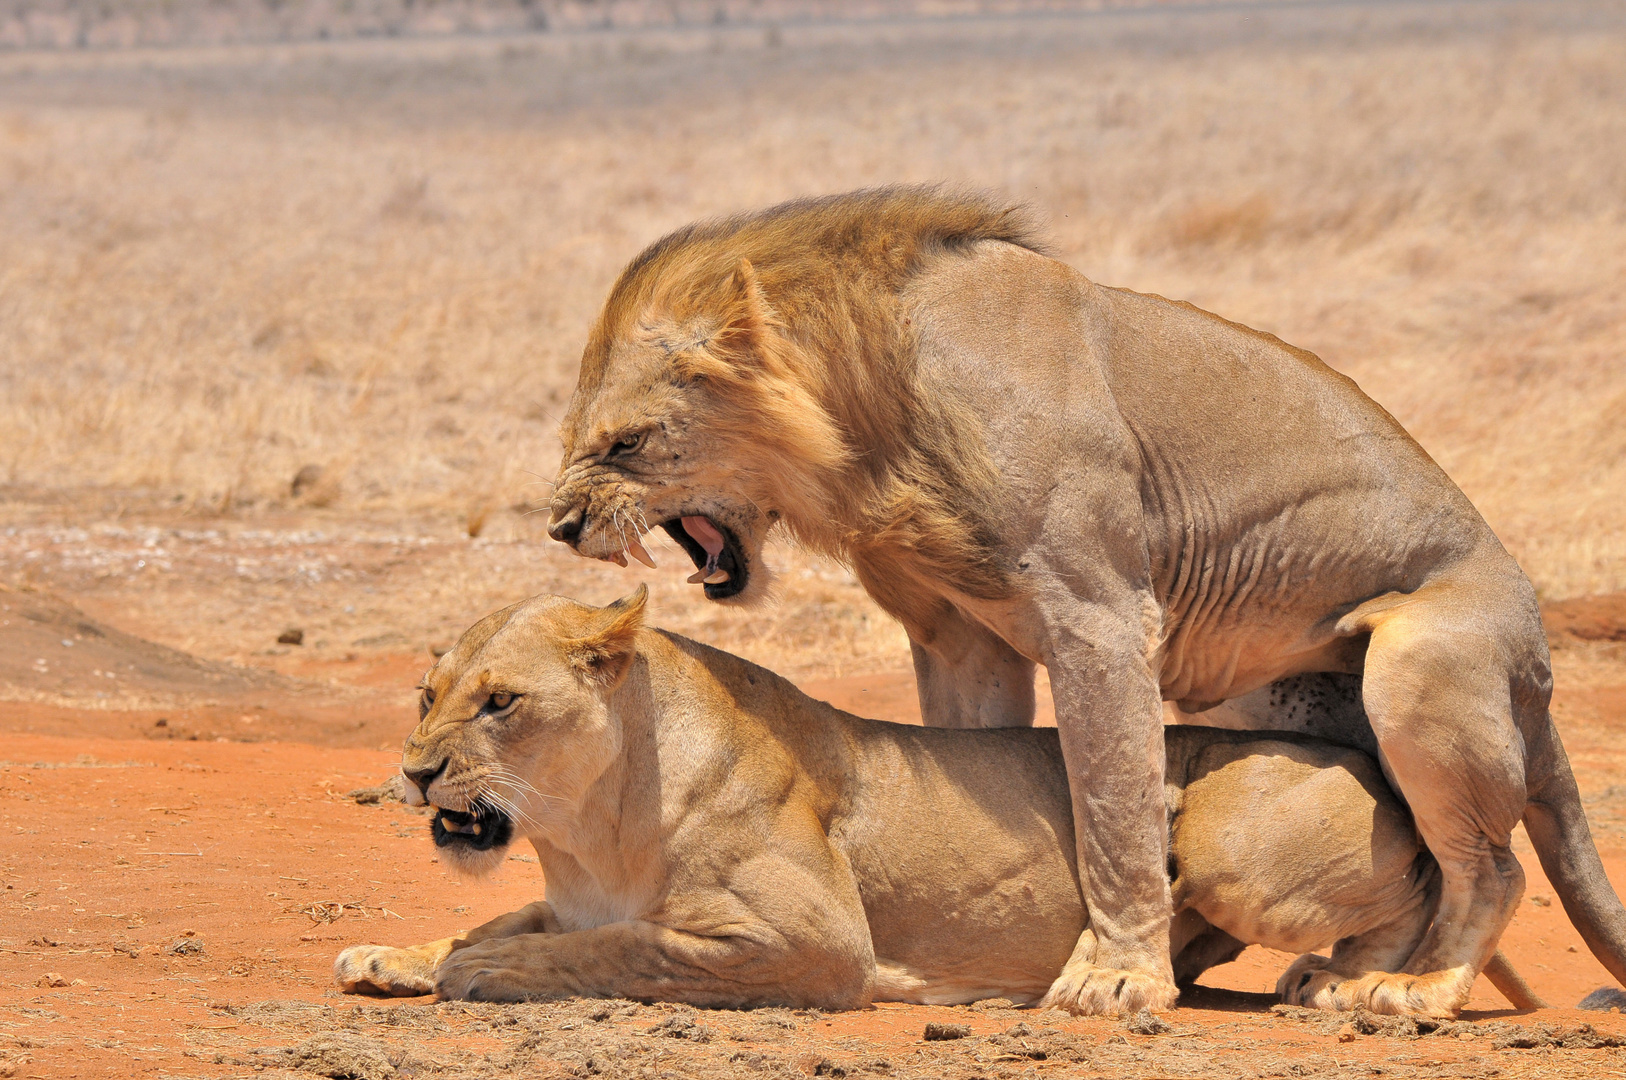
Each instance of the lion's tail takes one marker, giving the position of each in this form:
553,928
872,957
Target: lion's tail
1505,978
1563,841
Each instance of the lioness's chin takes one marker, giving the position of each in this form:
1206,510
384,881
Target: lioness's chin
474,842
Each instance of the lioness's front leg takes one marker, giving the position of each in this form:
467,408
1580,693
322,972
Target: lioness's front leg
645,961
407,972
1110,715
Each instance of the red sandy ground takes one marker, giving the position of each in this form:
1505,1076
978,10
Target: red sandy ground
123,838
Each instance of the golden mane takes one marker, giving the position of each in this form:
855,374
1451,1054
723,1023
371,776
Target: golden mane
797,311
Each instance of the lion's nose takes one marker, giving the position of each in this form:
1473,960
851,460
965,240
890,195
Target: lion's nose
567,528
422,778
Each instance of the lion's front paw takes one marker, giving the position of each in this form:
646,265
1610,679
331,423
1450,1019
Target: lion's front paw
379,969
1092,991
1439,993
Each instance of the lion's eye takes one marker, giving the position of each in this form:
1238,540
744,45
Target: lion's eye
627,445
501,702
425,702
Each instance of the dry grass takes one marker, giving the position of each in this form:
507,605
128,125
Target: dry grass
218,268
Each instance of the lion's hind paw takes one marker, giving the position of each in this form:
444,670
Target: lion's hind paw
379,969
1438,994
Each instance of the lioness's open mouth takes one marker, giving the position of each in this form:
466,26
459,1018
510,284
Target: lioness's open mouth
482,827
718,558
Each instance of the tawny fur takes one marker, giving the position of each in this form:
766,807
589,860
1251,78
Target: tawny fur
1025,467
709,834
859,460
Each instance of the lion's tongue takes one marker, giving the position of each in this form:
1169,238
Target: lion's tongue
704,533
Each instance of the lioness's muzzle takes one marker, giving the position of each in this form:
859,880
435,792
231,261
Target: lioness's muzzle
482,827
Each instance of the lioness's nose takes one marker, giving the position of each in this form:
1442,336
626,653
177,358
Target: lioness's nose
567,528
422,778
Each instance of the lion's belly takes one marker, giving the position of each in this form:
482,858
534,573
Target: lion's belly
1200,670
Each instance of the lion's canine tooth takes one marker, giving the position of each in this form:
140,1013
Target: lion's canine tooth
636,549
619,558
717,578
696,578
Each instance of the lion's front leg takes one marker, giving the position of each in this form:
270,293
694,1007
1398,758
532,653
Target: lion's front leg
409,971
1110,716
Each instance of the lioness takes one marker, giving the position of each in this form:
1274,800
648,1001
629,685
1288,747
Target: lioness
1025,467
709,834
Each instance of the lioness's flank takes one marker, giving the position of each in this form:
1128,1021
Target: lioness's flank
1025,467
711,835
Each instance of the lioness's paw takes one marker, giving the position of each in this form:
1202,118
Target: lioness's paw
479,973
1440,993
379,969
1093,991
1292,986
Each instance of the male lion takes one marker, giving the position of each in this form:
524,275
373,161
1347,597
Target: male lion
1156,504
710,834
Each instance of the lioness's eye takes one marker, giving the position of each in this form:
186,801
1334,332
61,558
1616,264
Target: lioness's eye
425,702
499,702
627,445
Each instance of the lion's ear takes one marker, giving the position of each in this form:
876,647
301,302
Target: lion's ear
742,336
603,652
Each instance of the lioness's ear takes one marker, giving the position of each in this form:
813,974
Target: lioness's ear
604,651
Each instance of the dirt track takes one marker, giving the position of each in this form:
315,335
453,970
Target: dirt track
372,265
187,895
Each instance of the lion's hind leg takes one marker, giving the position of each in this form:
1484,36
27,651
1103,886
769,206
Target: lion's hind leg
1453,673
1355,972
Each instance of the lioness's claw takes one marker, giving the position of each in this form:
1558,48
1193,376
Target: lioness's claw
636,549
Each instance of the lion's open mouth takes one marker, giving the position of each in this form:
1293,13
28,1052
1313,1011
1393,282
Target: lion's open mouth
718,558
482,827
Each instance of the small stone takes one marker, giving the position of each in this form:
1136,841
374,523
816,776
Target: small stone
52,978
936,1032
990,1004
1541,901
291,636
392,790
186,946
1346,1033
1146,1022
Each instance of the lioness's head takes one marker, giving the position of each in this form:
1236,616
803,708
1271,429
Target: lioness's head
514,723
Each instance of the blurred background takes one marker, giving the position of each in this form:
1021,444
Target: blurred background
292,291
